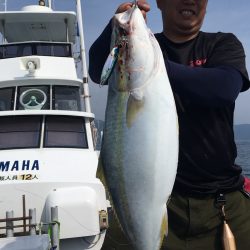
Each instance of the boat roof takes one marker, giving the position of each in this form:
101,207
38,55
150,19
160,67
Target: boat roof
37,23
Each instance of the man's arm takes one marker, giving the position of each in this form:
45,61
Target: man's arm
99,52
208,86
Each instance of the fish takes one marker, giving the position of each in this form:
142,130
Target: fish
139,153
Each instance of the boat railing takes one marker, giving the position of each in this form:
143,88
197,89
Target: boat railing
26,225
10,220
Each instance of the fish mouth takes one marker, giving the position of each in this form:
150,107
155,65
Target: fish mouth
124,31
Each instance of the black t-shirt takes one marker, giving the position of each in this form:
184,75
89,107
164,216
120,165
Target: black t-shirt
207,148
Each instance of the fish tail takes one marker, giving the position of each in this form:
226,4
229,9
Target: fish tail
101,176
100,172
164,228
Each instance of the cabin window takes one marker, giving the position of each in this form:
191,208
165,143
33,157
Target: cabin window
10,51
59,50
33,98
20,132
65,131
6,99
35,48
66,98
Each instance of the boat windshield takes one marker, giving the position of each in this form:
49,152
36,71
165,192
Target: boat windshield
35,48
46,97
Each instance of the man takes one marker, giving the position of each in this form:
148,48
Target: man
207,72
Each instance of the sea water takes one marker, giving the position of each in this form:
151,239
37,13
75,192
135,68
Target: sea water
243,158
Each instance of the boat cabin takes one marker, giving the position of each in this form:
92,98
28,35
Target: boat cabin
37,38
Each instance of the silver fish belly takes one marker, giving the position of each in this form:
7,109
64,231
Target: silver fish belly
139,152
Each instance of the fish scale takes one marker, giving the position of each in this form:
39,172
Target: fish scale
139,151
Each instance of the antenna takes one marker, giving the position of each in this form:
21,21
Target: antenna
50,4
83,56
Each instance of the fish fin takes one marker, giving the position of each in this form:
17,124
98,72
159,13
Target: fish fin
120,232
101,175
134,106
164,227
109,65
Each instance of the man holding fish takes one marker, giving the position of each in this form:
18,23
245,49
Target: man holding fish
207,71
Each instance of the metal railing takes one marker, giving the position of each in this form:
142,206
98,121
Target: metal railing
10,225
31,227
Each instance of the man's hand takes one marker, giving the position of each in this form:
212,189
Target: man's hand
142,4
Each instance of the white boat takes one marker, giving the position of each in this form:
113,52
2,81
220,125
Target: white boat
50,196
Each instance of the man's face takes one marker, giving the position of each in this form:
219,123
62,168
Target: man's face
182,16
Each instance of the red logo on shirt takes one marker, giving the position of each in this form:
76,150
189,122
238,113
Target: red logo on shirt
198,62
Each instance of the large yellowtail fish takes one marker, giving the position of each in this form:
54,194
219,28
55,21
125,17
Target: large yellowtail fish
140,142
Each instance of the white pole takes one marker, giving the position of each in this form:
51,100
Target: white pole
55,228
9,224
50,5
32,221
83,56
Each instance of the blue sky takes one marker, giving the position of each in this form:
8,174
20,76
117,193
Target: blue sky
222,15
